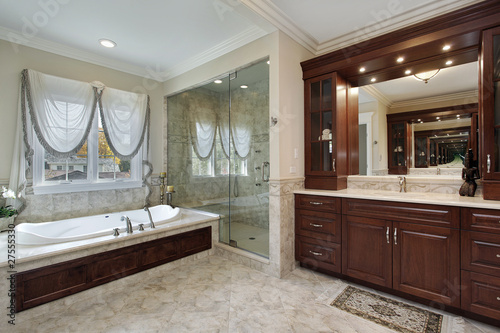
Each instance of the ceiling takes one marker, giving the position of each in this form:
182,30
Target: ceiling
161,39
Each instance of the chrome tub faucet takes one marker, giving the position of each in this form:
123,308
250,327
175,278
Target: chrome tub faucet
151,223
128,223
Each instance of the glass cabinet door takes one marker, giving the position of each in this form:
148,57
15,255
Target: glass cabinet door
398,150
320,119
421,153
490,96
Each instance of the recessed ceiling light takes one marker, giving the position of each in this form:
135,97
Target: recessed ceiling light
446,47
373,79
449,62
362,69
218,81
243,86
408,71
458,116
437,117
400,59
107,43
421,122
419,119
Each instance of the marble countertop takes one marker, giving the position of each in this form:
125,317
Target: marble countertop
410,197
26,253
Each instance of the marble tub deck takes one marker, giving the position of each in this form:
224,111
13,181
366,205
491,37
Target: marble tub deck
210,294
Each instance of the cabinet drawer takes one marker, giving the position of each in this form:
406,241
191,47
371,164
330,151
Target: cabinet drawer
319,225
316,202
487,220
437,215
481,252
481,294
318,254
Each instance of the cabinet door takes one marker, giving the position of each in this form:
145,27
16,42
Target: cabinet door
490,104
426,262
367,249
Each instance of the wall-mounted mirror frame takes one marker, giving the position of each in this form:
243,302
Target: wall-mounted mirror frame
421,46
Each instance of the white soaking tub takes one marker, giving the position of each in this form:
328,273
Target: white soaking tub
90,226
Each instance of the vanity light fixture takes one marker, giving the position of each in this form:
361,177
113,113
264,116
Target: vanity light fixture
446,47
243,86
218,81
362,69
426,76
449,62
400,59
107,43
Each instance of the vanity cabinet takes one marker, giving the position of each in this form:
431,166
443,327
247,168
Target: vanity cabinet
398,139
481,261
318,233
326,164
407,247
489,94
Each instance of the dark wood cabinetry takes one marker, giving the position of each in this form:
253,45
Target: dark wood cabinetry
326,131
318,233
481,261
444,254
489,116
407,247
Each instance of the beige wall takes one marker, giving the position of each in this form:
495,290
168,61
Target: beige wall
11,65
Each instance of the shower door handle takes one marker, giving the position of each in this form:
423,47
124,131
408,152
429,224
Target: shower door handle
265,175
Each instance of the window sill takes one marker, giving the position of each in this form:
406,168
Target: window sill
85,187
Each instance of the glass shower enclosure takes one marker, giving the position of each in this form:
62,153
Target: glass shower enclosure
218,153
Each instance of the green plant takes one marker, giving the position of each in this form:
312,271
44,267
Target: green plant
7,211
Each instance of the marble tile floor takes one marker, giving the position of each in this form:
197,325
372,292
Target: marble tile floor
211,294
250,238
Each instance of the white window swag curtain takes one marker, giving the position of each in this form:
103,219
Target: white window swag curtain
61,112
236,131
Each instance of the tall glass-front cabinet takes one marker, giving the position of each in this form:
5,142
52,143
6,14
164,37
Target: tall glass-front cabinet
326,132
490,104
398,141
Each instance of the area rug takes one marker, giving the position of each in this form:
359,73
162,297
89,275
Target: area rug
390,313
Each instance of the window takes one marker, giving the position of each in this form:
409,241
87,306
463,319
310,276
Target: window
93,167
218,164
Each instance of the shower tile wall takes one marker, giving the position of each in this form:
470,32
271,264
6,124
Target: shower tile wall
196,191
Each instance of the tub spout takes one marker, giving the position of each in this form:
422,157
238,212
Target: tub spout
128,223
151,223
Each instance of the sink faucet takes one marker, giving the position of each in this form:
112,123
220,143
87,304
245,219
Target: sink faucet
402,184
128,223
151,223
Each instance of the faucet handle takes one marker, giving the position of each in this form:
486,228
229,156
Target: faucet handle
115,232
141,227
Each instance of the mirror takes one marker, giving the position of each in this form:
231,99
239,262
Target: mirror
446,139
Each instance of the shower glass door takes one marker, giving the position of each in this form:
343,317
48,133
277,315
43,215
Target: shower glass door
249,159
218,154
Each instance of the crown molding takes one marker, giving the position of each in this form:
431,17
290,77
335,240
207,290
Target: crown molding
231,44
283,22
466,95
226,46
375,93
17,38
270,12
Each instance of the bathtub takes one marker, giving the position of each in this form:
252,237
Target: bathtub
90,226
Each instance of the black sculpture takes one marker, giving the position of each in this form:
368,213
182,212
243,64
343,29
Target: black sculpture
469,173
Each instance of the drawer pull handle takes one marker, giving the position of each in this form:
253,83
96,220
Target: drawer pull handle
498,298
316,253
498,255
395,236
321,226
488,163
315,203
387,236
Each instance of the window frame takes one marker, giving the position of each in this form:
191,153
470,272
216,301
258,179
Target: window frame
92,183
214,172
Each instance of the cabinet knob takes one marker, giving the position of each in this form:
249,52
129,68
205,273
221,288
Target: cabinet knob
498,298
321,226
498,255
316,253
